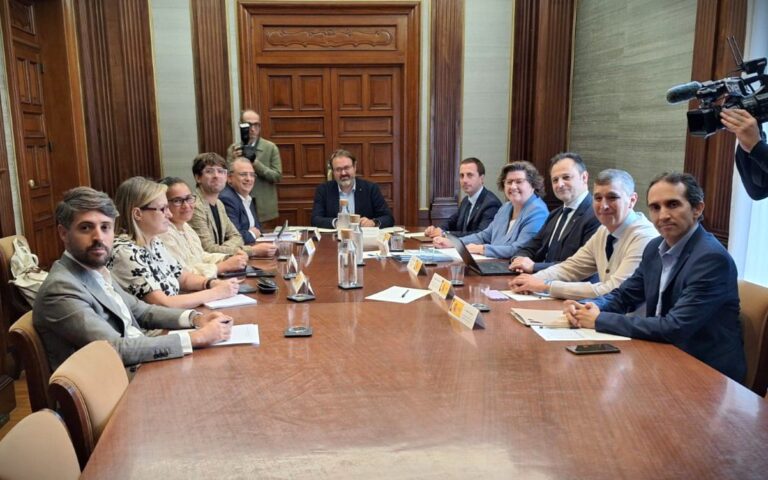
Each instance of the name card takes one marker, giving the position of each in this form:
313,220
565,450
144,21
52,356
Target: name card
383,247
309,247
466,314
416,266
441,286
300,285
316,234
293,265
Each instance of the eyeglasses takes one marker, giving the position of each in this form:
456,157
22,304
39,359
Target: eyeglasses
215,171
163,209
246,175
254,124
179,201
343,169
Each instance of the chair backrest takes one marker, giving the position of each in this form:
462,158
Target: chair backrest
754,317
88,386
35,360
12,306
38,448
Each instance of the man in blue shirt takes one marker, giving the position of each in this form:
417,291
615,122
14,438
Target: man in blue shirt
686,279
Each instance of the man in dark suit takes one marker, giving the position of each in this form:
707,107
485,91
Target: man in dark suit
476,210
363,198
79,302
686,279
569,226
237,200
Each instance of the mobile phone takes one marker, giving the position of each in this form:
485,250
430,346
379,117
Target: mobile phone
592,349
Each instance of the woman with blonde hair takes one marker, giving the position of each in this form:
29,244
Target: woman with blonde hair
141,264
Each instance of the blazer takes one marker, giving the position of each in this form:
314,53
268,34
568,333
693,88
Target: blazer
499,242
486,206
369,202
236,212
269,171
753,169
699,307
580,228
202,222
71,310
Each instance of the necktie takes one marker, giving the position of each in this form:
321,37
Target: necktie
462,226
609,246
561,221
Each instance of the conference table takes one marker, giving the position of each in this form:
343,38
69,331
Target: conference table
386,390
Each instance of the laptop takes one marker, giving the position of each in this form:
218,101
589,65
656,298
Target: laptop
481,268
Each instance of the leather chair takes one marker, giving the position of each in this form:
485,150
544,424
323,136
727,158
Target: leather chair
88,386
28,344
12,306
754,326
38,448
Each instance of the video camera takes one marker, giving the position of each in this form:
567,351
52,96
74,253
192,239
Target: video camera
737,92
249,151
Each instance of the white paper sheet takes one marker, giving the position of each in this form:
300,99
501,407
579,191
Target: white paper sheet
519,297
398,295
241,335
574,334
236,301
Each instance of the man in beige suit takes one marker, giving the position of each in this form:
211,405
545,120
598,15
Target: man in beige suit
210,221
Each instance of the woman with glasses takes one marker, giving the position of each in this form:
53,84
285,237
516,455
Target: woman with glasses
519,219
182,242
140,262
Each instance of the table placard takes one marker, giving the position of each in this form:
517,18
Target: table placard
441,286
416,266
465,313
383,247
300,285
309,247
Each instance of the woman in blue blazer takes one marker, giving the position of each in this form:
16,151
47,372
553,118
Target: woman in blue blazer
518,220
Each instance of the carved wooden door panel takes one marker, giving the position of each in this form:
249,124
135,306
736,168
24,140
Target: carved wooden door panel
309,112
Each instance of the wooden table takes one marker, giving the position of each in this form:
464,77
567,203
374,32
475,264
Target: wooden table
401,391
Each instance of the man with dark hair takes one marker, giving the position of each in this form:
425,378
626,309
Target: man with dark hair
686,280
476,210
363,198
79,302
569,226
265,157
752,152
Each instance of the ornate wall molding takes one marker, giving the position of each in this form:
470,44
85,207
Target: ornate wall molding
329,37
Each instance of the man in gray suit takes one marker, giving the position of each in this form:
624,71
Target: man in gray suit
79,302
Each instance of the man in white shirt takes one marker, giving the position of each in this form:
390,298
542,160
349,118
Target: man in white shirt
237,200
613,252
79,302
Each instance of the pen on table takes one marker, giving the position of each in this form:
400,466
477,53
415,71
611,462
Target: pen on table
404,293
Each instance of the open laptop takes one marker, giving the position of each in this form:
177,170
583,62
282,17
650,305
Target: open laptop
481,268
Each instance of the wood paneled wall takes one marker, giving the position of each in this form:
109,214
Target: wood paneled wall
7,225
711,160
117,74
543,45
212,94
447,57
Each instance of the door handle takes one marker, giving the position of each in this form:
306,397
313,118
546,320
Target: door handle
31,183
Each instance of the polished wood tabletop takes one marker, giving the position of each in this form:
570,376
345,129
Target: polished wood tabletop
385,390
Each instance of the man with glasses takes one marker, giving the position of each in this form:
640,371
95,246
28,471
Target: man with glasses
613,252
266,165
363,198
209,220
237,199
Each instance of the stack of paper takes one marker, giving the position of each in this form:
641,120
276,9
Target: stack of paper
236,301
543,318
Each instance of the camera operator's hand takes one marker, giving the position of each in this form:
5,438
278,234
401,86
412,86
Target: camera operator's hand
744,125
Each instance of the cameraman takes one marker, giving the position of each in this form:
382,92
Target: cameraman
266,163
752,152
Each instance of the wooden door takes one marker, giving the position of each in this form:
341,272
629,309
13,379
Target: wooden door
309,112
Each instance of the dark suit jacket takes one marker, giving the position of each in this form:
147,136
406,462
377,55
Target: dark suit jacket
482,215
71,310
753,169
699,308
236,212
580,228
368,202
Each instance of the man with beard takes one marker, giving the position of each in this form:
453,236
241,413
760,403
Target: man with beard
363,198
79,302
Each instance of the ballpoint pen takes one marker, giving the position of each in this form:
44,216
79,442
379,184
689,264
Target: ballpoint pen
404,293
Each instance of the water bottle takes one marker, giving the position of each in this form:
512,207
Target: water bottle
347,266
342,220
357,237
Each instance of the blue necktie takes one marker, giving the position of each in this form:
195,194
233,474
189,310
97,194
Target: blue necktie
609,246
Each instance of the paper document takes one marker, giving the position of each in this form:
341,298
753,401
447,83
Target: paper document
398,295
574,334
241,335
236,301
373,254
519,297
547,318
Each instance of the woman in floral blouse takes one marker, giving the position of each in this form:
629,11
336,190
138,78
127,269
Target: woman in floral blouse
140,262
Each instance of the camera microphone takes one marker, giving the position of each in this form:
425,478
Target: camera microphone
683,93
